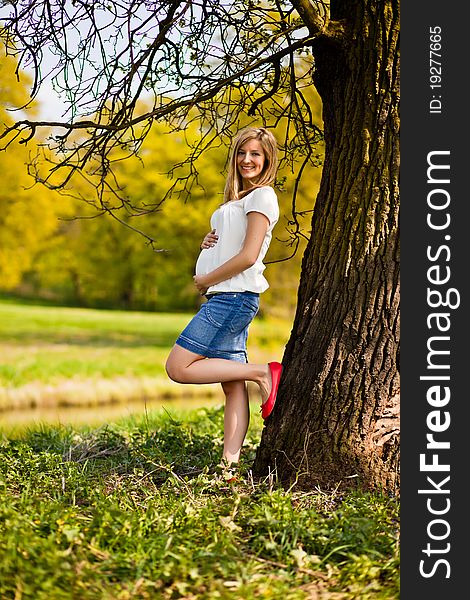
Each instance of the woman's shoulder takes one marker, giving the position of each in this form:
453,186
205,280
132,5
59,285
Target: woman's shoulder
264,200
265,191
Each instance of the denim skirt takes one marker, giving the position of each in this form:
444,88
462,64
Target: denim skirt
220,328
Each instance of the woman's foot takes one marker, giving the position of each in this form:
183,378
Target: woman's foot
265,385
227,472
275,371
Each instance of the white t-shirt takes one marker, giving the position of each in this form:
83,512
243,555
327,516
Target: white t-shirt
230,224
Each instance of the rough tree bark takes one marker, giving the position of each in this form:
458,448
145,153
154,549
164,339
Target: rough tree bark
337,412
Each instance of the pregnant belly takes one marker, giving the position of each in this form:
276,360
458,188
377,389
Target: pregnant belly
204,263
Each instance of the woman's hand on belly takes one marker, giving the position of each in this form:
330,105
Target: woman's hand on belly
210,240
200,284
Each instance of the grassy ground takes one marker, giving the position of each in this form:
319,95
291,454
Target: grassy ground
134,511
56,355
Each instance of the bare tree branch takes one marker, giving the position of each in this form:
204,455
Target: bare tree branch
125,65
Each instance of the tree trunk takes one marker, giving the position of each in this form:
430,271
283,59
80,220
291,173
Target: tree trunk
337,412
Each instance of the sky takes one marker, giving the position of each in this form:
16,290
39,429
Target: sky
51,106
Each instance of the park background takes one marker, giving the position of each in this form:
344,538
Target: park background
121,508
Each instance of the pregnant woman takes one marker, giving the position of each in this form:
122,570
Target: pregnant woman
229,272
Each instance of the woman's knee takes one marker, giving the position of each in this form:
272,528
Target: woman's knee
233,387
174,370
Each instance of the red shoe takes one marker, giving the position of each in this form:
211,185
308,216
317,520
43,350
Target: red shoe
267,407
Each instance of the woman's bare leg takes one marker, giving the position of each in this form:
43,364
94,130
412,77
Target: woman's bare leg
184,366
236,419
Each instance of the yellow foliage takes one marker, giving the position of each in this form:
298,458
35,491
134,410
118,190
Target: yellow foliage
27,214
14,94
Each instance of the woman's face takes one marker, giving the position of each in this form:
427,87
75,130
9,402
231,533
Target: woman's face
250,162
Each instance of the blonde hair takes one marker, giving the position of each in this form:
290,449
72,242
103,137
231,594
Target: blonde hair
234,184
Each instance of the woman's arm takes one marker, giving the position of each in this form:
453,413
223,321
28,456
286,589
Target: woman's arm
256,230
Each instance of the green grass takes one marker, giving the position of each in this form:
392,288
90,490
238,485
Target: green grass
133,511
54,346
